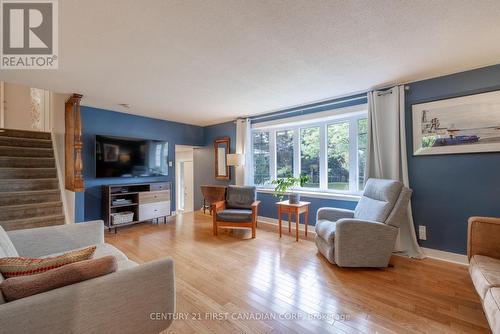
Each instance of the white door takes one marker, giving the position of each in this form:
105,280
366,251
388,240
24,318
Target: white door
188,184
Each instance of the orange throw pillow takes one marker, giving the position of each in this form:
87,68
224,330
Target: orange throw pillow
19,287
23,266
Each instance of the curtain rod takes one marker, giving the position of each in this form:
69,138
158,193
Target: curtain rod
388,90
298,109
337,101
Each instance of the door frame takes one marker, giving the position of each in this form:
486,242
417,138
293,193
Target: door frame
183,153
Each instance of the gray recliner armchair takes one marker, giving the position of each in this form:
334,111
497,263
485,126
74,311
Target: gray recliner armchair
366,236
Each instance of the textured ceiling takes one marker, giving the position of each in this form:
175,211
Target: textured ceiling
204,62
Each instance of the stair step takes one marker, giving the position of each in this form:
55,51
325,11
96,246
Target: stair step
19,224
11,151
25,134
27,173
25,142
25,211
27,162
29,197
8,185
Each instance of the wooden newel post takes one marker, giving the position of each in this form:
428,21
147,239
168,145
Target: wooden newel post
73,145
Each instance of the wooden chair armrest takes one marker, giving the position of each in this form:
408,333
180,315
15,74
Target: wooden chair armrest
218,206
483,236
255,206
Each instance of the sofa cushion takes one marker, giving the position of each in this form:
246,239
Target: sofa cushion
24,286
378,200
491,306
325,229
125,264
234,215
23,266
2,300
240,197
7,249
107,249
485,273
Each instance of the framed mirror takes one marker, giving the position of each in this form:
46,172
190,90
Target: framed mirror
221,149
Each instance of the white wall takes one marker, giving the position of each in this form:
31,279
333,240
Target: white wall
2,104
57,120
182,153
18,108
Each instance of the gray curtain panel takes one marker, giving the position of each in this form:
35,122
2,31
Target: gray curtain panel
386,154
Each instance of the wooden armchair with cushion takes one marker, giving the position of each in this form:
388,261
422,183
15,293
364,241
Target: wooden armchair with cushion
239,210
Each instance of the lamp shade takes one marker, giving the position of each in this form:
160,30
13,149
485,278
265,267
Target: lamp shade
234,159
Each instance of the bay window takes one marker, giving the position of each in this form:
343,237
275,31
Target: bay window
284,153
309,155
362,146
261,157
331,151
338,156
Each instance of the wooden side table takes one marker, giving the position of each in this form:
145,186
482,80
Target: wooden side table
296,210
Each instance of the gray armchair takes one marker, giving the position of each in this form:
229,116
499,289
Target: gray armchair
364,237
239,210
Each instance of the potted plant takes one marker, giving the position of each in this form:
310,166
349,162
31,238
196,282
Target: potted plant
282,186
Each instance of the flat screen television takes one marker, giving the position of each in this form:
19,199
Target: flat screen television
130,157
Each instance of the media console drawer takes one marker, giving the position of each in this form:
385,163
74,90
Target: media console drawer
159,186
154,196
154,210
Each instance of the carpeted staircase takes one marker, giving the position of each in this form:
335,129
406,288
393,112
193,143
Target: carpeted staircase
29,188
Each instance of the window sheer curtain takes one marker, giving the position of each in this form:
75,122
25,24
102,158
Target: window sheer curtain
244,147
386,154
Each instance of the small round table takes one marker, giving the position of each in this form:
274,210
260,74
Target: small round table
296,210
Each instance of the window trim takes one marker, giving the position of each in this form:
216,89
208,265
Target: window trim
352,115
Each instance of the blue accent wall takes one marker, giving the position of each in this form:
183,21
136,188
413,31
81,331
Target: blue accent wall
448,189
268,208
204,159
79,207
104,122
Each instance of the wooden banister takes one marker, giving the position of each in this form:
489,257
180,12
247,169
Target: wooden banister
73,145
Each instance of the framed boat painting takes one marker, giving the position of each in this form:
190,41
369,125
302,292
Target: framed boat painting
468,124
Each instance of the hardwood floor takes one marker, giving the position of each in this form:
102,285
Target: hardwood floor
268,285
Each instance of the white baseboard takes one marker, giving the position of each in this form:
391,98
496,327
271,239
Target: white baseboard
446,256
429,252
284,222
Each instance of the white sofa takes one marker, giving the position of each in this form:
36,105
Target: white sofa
126,301
483,251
